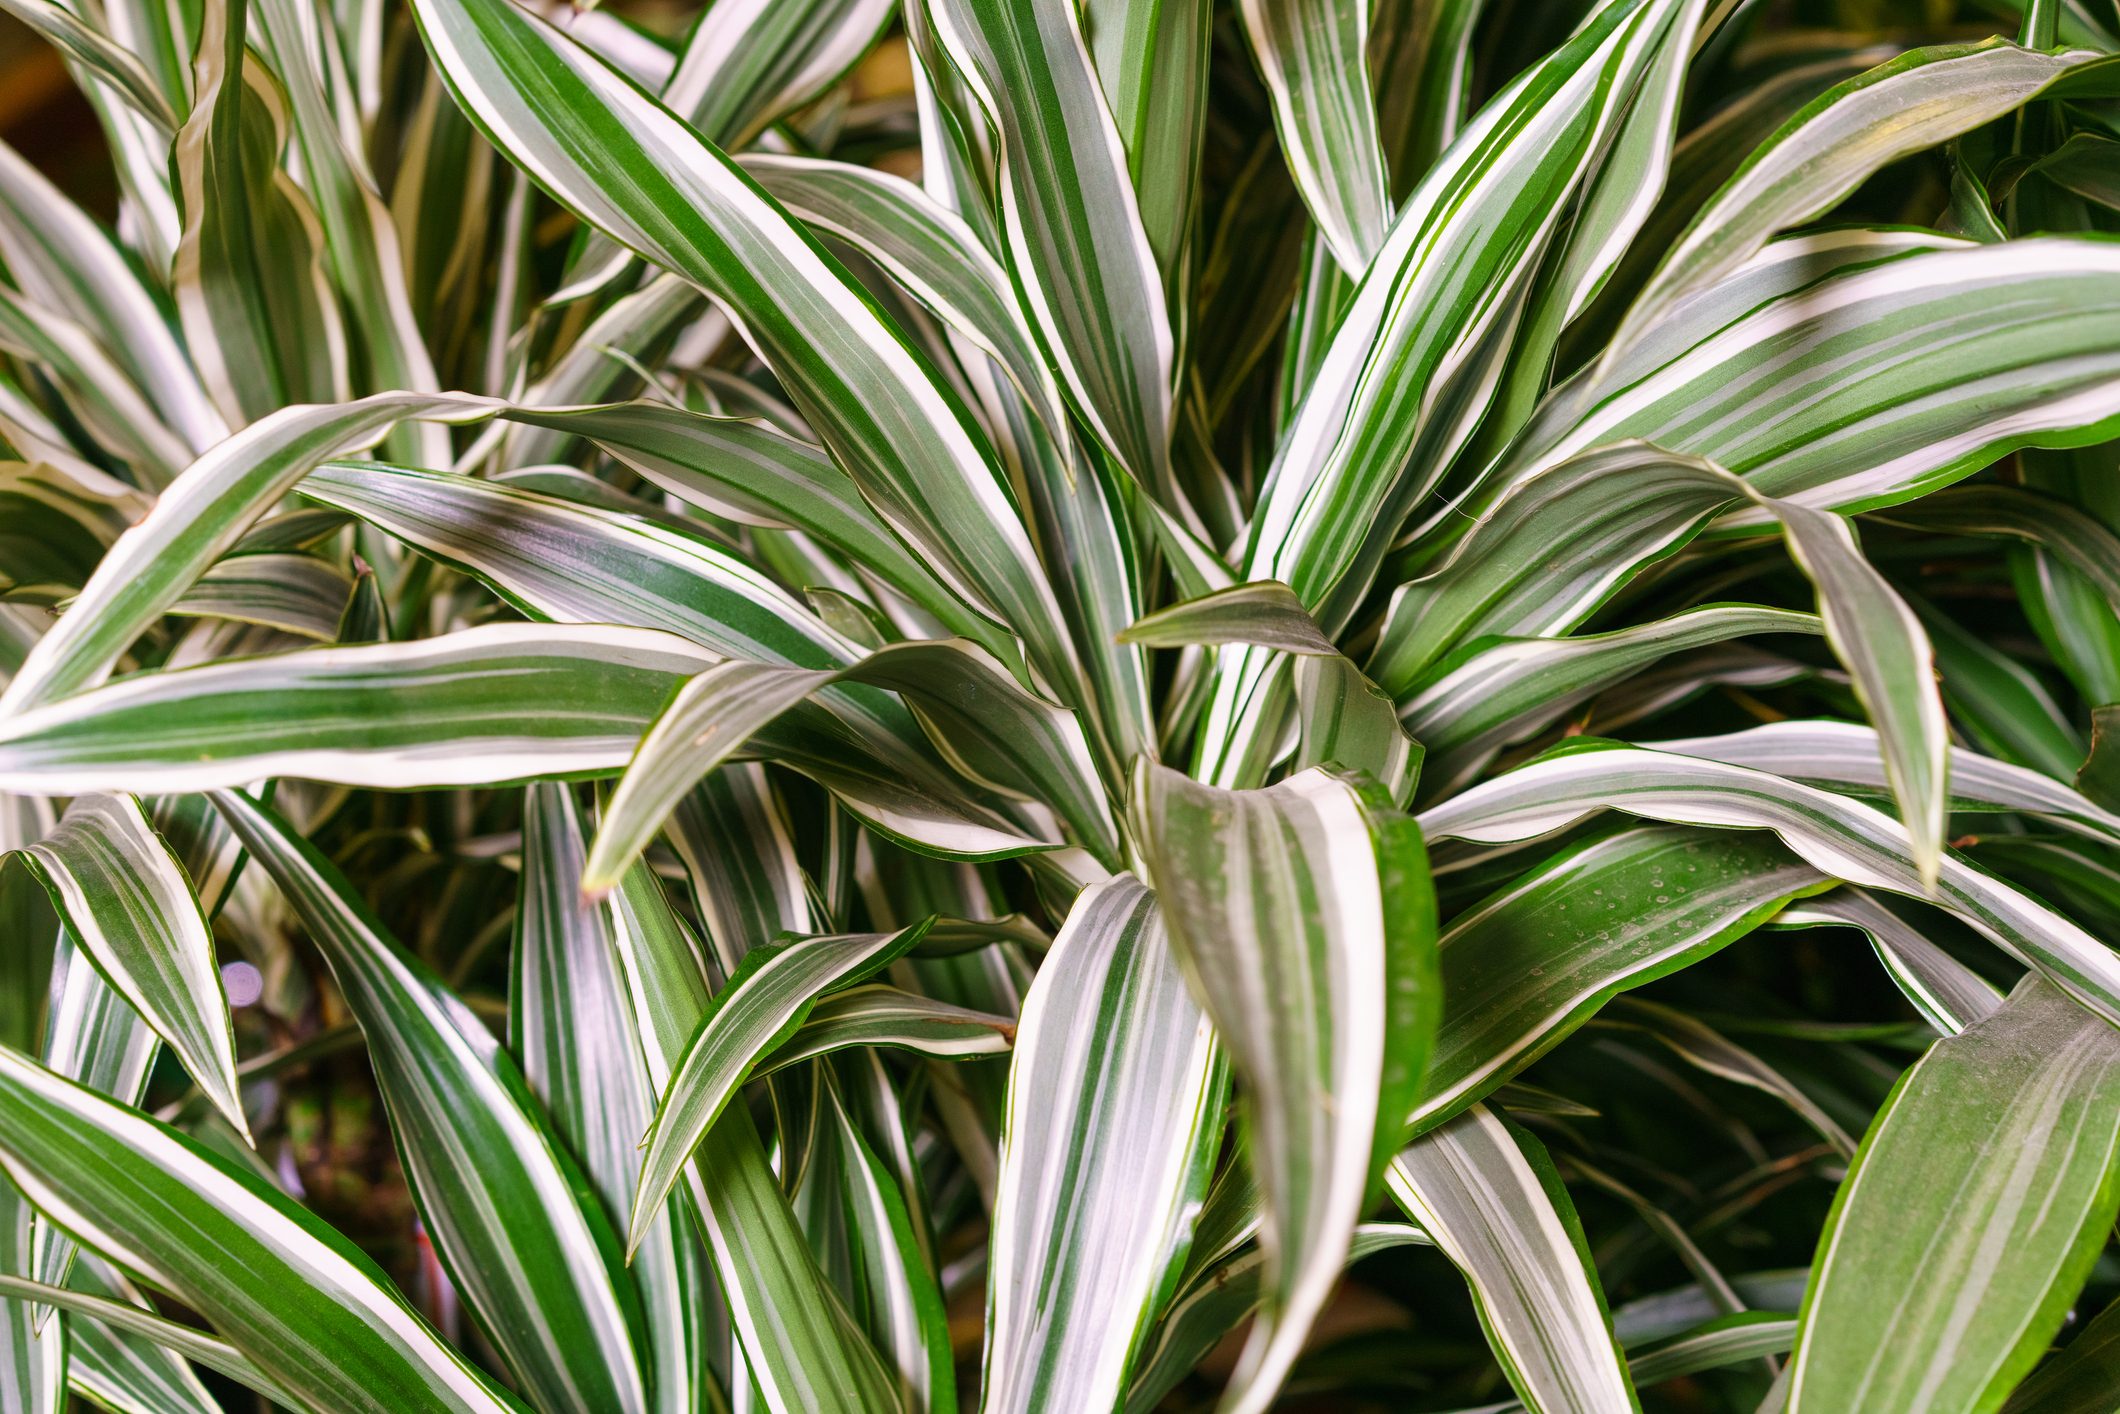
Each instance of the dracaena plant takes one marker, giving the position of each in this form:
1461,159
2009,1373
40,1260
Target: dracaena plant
1028,705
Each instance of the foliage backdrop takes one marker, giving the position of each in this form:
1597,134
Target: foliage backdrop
1029,705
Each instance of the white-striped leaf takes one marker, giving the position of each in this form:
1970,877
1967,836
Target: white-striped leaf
257,308
633,169
287,1291
1998,1146
1304,920
1834,834
882,1015
1920,99
1871,628
744,470
1490,1199
505,1210
1415,355
1844,755
927,248
1527,966
571,1026
62,260
1959,355
795,1334
483,706
196,521
1496,693
1947,992
1113,1119
1315,56
758,1009
1073,230
135,1324
988,727
125,899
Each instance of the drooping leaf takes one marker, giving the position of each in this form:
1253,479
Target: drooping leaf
1303,917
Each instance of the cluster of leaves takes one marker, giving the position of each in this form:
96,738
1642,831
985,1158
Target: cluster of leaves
985,702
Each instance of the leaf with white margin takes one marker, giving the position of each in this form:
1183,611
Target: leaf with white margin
1918,100
632,168
1997,1149
1113,1118
1522,969
122,1319
198,519
1834,834
1304,919
126,901
1315,58
1844,755
1071,223
570,1024
1419,349
530,1250
755,1011
490,705
231,1247
991,730
63,260
1488,1196
1947,992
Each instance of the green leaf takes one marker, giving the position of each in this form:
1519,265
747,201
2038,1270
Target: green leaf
1416,351
760,1007
1314,55
2024,327
196,521
63,261
2099,776
119,1327
571,1026
1490,1199
1530,964
126,901
1920,99
633,169
743,470
1073,231
258,311
1996,1153
990,729
2079,1380
1114,1115
1264,612
487,706
299,1300
1832,833
795,1333
881,1015
1304,920
506,1212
